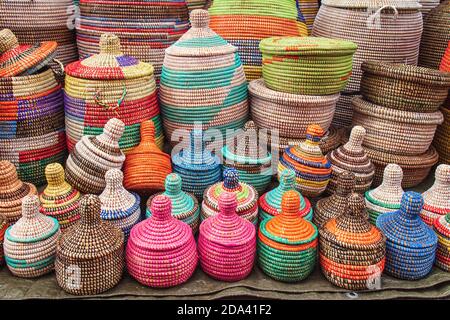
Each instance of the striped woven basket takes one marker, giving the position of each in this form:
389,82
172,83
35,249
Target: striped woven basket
3,226
245,23
442,229
427,6
436,200
384,30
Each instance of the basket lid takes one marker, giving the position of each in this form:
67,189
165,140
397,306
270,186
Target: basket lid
437,198
109,64
200,40
307,46
399,4
25,59
390,191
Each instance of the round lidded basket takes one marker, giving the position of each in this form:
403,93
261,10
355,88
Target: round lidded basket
30,244
110,85
90,255
437,198
404,87
161,251
442,228
59,199
227,242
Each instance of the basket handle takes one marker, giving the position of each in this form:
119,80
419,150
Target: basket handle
374,20
58,69
106,106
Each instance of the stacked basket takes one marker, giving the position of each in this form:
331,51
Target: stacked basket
110,85
245,23
399,110
442,229
146,27
202,82
385,30
42,20
437,198
352,251
31,108
287,244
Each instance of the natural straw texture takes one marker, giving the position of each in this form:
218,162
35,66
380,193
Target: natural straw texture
3,226
336,204
42,20
287,244
92,156
146,166
227,243
247,197
411,244
387,196
352,157
306,65
387,30
59,199
161,251
290,114
30,244
119,207
196,165
249,157
312,169
270,202
145,27
90,255
245,23
110,85
352,251
442,229
12,191
437,198
202,81
185,205
436,35
427,6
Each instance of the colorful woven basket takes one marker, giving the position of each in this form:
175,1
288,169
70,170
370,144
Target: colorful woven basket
12,191
119,207
384,30
30,244
202,81
90,255
185,206
312,169
411,244
161,251
336,204
92,156
31,109
435,36
110,85
395,131
306,65
442,229
352,251
287,244
245,23
245,153
270,202
145,27
352,157
247,197
3,226
42,20
146,166
196,165
59,199
427,6
404,87
227,242
437,198
387,196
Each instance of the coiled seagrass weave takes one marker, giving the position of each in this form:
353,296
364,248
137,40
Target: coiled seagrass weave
436,200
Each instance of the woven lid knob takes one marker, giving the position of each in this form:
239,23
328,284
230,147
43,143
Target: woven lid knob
346,182
290,203
114,129
356,137
230,178
8,173
114,178
161,207
173,183
54,172
110,44
356,204
287,179
90,208
442,174
393,175
8,40
411,204
227,203
314,133
147,131
30,206
199,18
250,125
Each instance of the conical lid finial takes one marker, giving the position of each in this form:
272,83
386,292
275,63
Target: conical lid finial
161,207
110,44
199,18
